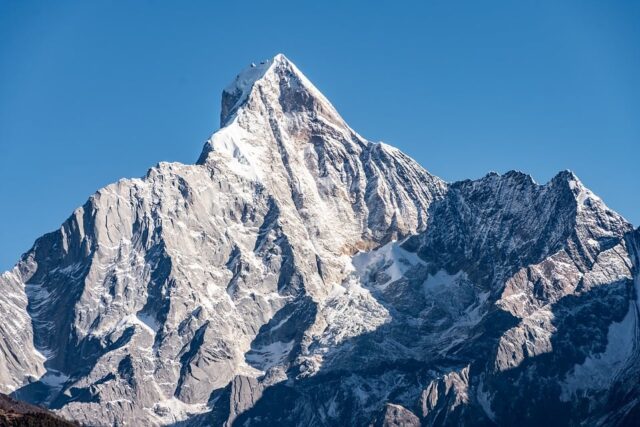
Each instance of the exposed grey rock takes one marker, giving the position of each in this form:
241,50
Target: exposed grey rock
240,395
396,416
299,274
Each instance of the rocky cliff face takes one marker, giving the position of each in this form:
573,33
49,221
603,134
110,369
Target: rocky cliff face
299,274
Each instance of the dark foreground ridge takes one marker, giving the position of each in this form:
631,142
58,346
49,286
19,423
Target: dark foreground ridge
14,413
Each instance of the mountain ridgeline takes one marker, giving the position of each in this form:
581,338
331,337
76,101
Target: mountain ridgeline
300,275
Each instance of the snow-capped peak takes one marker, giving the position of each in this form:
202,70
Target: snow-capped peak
280,131
246,78
274,81
241,86
271,105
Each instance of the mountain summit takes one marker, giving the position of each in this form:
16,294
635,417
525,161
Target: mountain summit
258,84
299,274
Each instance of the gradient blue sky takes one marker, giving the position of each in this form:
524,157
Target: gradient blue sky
94,91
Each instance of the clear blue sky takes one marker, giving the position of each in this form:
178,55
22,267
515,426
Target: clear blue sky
94,91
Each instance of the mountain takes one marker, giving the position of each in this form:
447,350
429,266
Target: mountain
299,274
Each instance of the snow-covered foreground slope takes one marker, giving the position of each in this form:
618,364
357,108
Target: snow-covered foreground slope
299,274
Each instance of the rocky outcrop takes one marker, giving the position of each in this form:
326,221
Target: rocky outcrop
396,416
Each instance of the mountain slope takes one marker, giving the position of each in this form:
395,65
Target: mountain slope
299,274
517,305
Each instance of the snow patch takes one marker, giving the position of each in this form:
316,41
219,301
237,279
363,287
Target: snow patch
442,280
599,370
484,399
54,379
150,322
239,156
396,259
269,355
173,410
